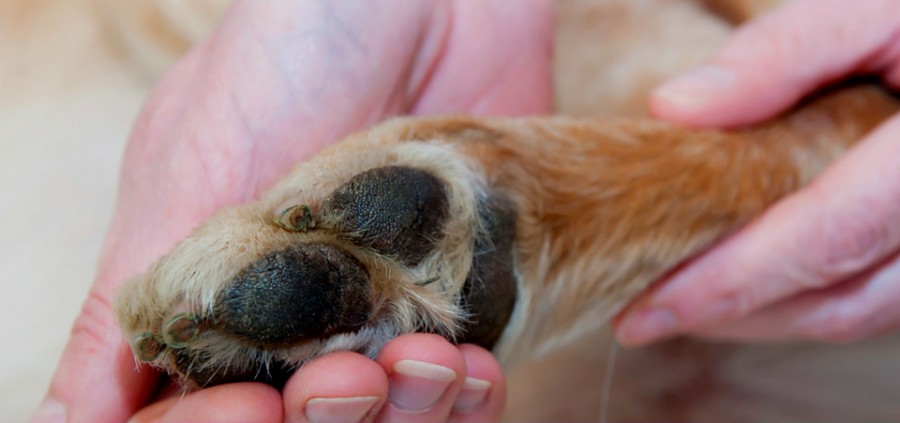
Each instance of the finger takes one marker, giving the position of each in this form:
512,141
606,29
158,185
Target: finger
425,374
97,372
339,387
163,400
483,394
841,225
775,60
154,412
508,81
862,307
236,402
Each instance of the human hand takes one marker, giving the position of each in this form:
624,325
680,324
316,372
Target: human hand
276,82
824,263
423,373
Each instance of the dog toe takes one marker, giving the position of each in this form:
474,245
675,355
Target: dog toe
147,346
180,330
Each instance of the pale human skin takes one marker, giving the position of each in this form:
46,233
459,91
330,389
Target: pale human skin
824,264
276,82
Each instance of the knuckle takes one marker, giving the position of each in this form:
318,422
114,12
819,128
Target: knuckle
92,326
845,243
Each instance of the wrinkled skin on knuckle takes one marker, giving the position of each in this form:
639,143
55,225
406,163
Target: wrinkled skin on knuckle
845,244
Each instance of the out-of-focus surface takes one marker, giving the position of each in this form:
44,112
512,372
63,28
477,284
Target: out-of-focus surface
66,110
70,90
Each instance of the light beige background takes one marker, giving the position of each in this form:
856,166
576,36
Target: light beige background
66,104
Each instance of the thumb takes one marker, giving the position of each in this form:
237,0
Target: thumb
772,62
97,378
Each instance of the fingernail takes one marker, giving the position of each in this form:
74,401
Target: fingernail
694,89
416,386
50,411
472,395
340,410
648,325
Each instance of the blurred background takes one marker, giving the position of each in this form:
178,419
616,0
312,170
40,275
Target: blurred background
73,74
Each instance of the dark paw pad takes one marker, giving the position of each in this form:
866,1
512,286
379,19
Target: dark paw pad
489,294
397,211
303,291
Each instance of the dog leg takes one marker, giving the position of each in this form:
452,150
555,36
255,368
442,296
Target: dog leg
514,233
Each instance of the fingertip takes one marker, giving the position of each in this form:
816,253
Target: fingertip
236,402
481,363
773,61
719,95
690,97
422,347
342,386
425,374
483,393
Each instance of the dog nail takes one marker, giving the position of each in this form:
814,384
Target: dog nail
180,330
146,346
340,410
473,394
416,386
296,218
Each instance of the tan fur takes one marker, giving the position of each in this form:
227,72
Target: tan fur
604,208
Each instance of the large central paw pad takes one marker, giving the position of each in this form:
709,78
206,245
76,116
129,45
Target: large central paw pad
303,291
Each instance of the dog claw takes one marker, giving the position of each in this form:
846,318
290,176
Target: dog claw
296,218
147,347
181,330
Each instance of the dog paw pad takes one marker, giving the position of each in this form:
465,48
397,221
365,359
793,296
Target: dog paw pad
303,291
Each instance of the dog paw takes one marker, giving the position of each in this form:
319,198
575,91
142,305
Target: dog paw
344,254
